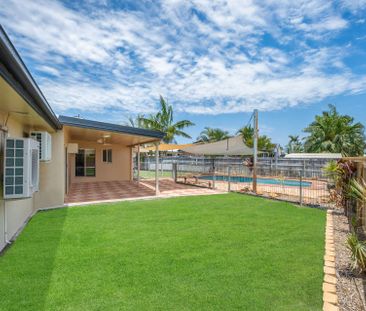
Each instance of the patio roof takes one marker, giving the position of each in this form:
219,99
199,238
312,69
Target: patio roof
89,130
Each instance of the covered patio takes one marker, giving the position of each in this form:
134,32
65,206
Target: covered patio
124,190
99,160
100,163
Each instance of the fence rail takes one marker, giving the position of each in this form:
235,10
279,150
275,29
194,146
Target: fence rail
299,181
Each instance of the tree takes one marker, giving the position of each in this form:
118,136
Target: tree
336,133
264,142
294,144
164,121
212,134
135,122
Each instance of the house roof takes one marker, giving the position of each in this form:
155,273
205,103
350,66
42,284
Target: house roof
16,74
103,126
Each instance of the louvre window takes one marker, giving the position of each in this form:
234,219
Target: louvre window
45,144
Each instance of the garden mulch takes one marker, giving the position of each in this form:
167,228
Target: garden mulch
351,285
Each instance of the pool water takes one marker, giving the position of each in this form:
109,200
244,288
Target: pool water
266,181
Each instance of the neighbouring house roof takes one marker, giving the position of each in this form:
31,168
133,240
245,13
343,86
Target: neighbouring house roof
166,147
110,127
313,156
16,74
229,146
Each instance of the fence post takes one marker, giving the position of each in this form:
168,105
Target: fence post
213,177
301,199
174,171
228,178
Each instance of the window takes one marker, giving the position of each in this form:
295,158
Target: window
85,162
107,155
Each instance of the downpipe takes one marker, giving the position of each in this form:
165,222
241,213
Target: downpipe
4,135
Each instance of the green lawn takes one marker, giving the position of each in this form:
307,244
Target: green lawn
218,252
151,174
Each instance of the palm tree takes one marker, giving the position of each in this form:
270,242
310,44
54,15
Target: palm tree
264,142
212,134
164,121
294,144
135,122
332,132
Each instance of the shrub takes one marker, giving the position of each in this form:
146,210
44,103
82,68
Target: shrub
357,190
358,250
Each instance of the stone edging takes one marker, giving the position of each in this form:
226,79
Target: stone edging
330,299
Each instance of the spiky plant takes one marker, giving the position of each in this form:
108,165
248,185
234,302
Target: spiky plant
357,190
332,170
358,252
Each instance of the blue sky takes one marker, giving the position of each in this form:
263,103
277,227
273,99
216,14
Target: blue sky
215,61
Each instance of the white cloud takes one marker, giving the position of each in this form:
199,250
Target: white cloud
49,70
206,56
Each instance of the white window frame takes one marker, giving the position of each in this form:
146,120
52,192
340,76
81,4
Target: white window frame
25,151
85,166
109,155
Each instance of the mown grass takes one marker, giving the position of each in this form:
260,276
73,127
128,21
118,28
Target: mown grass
218,252
151,174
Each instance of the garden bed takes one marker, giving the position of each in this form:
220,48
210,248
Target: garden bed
350,284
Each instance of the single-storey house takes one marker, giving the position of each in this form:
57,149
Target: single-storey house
43,157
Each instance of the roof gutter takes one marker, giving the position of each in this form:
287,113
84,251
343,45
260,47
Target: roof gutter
109,127
14,72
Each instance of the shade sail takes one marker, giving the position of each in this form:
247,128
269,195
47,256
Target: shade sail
230,146
166,147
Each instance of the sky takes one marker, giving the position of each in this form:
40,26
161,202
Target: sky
214,61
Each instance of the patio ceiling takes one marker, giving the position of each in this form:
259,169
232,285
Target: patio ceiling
108,137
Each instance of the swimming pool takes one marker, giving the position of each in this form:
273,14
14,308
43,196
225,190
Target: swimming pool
266,181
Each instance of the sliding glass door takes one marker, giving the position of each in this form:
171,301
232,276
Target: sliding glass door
85,163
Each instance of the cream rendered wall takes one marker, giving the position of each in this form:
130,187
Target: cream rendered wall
119,169
52,181
52,176
2,225
16,211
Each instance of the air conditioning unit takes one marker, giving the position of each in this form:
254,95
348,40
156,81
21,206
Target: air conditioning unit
21,168
45,144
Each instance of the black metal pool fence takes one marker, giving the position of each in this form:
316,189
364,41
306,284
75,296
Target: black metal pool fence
301,181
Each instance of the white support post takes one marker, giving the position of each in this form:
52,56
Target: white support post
229,178
157,169
255,150
138,164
